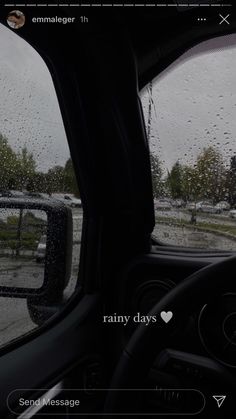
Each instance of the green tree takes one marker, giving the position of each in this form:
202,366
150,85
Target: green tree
8,172
190,186
174,181
56,179
211,175
18,171
157,176
70,178
25,168
231,182
39,183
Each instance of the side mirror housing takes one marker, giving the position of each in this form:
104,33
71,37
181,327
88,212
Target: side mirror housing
37,230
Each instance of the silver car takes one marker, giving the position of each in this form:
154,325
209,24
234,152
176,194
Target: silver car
41,249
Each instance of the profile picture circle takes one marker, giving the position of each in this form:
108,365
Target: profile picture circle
16,19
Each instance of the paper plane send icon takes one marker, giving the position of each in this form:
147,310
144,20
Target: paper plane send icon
219,400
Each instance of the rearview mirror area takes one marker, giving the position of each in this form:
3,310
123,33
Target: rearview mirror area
35,247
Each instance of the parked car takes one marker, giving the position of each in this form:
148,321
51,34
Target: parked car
37,195
178,203
204,206
162,204
16,194
72,201
194,206
223,206
68,199
5,194
11,194
41,249
209,208
232,213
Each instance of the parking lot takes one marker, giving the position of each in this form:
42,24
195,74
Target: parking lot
185,215
210,231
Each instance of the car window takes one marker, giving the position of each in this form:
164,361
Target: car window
189,112
35,165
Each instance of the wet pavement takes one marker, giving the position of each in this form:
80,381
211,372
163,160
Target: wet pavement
168,232
191,237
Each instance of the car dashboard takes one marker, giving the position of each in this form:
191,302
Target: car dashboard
202,353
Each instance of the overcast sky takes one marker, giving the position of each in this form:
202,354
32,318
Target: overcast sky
195,103
29,111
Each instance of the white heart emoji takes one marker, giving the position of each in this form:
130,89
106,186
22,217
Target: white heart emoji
166,316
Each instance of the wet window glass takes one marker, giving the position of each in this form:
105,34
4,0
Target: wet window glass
190,116
36,167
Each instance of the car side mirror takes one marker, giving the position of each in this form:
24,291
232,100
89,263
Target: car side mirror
35,248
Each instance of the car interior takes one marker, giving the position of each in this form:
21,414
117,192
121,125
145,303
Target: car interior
105,345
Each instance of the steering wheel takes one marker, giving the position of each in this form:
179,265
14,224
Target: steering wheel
147,341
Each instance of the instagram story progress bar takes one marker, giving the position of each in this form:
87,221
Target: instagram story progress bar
129,3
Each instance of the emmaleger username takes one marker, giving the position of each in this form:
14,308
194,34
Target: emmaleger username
53,19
